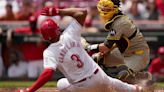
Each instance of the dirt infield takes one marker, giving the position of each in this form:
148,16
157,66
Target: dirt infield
50,89
40,90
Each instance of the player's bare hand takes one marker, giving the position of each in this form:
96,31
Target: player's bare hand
103,49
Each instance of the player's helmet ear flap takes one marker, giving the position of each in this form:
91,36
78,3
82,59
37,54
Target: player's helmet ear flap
49,29
107,9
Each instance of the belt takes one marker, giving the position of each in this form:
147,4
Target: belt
95,72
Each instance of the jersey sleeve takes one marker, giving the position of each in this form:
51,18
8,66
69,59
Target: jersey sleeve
49,60
126,26
113,36
116,31
74,29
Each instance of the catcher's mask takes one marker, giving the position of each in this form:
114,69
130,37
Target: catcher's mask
107,9
50,30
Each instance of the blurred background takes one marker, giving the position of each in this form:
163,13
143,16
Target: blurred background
21,45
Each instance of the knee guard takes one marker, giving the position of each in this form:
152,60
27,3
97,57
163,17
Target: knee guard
124,72
120,72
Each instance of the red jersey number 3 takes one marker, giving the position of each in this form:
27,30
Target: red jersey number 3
77,59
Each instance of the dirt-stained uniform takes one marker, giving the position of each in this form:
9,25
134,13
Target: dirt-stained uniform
124,51
130,42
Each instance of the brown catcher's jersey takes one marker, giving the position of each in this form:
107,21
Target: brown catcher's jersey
126,36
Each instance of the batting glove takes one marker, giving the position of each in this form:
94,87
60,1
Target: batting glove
49,11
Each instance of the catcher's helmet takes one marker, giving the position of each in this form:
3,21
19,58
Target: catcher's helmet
107,8
49,29
161,50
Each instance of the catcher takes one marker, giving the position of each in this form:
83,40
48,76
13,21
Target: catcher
124,52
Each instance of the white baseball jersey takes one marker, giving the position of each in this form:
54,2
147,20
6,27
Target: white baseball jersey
69,56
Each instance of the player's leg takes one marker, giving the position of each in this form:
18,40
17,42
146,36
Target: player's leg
119,86
113,85
63,85
138,63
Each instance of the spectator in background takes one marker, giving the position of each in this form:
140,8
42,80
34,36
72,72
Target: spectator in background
9,16
125,7
160,5
31,52
26,10
138,9
157,66
153,10
18,68
1,61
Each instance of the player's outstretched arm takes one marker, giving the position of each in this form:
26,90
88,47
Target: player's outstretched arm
78,13
43,78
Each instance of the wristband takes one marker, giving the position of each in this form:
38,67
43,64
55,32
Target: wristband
94,47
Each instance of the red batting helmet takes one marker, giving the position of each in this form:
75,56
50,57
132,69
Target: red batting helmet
161,50
49,29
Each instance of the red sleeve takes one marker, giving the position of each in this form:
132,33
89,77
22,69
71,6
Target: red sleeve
43,78
152,66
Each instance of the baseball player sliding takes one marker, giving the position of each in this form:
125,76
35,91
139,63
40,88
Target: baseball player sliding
132,53
68,55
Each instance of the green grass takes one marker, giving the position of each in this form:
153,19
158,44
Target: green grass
14,84
160,84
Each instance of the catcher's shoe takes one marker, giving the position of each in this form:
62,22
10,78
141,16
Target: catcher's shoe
145,86
143,75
